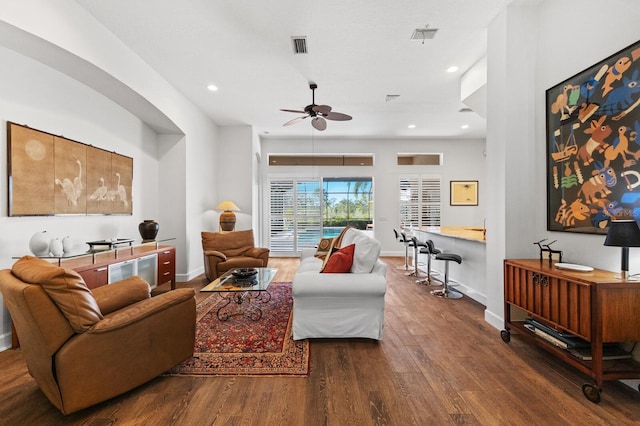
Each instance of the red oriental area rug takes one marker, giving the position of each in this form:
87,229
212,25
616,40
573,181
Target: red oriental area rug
240,346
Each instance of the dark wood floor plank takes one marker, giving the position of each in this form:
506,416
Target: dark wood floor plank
439,363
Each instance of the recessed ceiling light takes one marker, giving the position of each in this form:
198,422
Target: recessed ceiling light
452,68
464,126
411,126
212,87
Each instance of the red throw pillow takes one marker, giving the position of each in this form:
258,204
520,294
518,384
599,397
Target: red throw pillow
340,261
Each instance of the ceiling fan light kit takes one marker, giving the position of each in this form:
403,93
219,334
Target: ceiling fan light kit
319,113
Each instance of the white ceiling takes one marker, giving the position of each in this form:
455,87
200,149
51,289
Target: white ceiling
359,52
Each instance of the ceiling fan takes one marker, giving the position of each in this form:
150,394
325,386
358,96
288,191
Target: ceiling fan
318,113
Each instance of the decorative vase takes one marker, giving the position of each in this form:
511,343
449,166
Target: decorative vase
39,244
67,244
148,230
55,247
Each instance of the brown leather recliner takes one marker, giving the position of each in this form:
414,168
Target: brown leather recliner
84,347
230,250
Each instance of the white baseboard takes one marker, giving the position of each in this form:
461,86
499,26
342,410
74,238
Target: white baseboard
183,278
5,341
459,286
493,319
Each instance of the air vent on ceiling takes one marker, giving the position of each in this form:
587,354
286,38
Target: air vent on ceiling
424,33
299,44
390,98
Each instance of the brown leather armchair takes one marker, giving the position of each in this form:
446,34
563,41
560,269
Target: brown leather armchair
230,250
84,347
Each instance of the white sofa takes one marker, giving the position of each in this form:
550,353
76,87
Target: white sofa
332,305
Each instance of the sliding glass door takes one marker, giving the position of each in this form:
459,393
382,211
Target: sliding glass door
303,211
295,215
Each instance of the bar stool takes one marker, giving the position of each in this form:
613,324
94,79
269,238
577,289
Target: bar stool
407,243
399,239
430,250
418,248
447,292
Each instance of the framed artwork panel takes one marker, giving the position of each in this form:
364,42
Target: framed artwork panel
52,175
31,172
70,165
464,192
593,145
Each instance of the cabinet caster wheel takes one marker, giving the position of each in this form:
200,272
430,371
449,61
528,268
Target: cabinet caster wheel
591,392
505,335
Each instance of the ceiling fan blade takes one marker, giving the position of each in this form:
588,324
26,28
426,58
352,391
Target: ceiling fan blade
337,116
319,123
293,110
324,109
295,120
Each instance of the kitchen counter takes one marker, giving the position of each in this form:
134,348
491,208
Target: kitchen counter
467,241
470,233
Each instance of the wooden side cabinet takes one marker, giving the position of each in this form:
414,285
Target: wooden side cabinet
167,266
594,306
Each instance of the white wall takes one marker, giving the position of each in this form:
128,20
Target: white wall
463,160
556,63
236,174
174,174
531,49
42,98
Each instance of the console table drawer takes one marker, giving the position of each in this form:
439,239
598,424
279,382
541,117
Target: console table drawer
167,266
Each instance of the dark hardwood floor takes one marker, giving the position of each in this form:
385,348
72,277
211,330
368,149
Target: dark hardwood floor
439,363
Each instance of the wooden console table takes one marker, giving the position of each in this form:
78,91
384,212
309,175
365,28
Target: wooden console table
595,306
94,267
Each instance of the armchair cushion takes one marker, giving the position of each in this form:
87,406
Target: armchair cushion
142,309
120,294
65,287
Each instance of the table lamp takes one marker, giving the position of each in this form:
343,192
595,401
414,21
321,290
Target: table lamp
625,234
227,217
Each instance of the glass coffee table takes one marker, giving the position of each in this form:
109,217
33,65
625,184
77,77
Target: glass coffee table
247,294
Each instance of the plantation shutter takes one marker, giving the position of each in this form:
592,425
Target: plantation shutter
281,210
308,214
419,201
430,212
409,201
295,218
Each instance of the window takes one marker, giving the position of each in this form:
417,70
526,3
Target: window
419,201
295,215
302,211
420,159
347,201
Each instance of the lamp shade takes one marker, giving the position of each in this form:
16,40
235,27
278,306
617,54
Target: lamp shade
623,233
228,206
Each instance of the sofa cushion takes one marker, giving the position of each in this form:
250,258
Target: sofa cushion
366,253
324,248
340,261
65,287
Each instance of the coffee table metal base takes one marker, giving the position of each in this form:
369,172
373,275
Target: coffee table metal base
245,303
